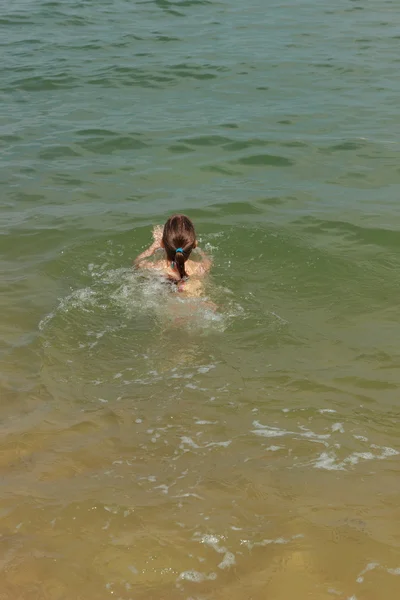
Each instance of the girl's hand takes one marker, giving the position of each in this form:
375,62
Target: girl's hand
206,261
156,245
157,235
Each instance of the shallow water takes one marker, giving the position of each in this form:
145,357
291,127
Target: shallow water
156,448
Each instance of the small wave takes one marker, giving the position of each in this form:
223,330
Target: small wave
329,460
41,84
267,431
196,576
265,160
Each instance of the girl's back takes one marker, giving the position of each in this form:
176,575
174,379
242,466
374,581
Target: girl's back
178,239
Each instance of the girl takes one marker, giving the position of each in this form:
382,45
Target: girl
177,238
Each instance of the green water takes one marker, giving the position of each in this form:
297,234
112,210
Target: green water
150,447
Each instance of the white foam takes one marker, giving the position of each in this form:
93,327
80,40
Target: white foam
369,567
164,488
82,298
213,541
337,427
386,451
268,431
279,318
189,495
271,432
45,320
111,509
267,542
228,561
307,433
209,247
188,442
196,576
328,460
222,444
374,565
193,386
205,368
214,235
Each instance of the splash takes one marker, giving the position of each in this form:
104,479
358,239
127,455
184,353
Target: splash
131,295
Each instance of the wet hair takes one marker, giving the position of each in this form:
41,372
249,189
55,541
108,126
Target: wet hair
179,234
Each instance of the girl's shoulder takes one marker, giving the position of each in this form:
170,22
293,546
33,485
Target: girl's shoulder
198,268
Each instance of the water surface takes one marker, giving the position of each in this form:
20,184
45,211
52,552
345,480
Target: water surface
153,448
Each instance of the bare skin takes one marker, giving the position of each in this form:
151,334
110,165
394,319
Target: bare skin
193,287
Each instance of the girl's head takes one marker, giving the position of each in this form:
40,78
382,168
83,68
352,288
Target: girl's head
179,239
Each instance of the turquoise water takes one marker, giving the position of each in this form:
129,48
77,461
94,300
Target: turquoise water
152,448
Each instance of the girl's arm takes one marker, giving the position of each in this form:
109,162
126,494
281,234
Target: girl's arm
140,261
206,261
